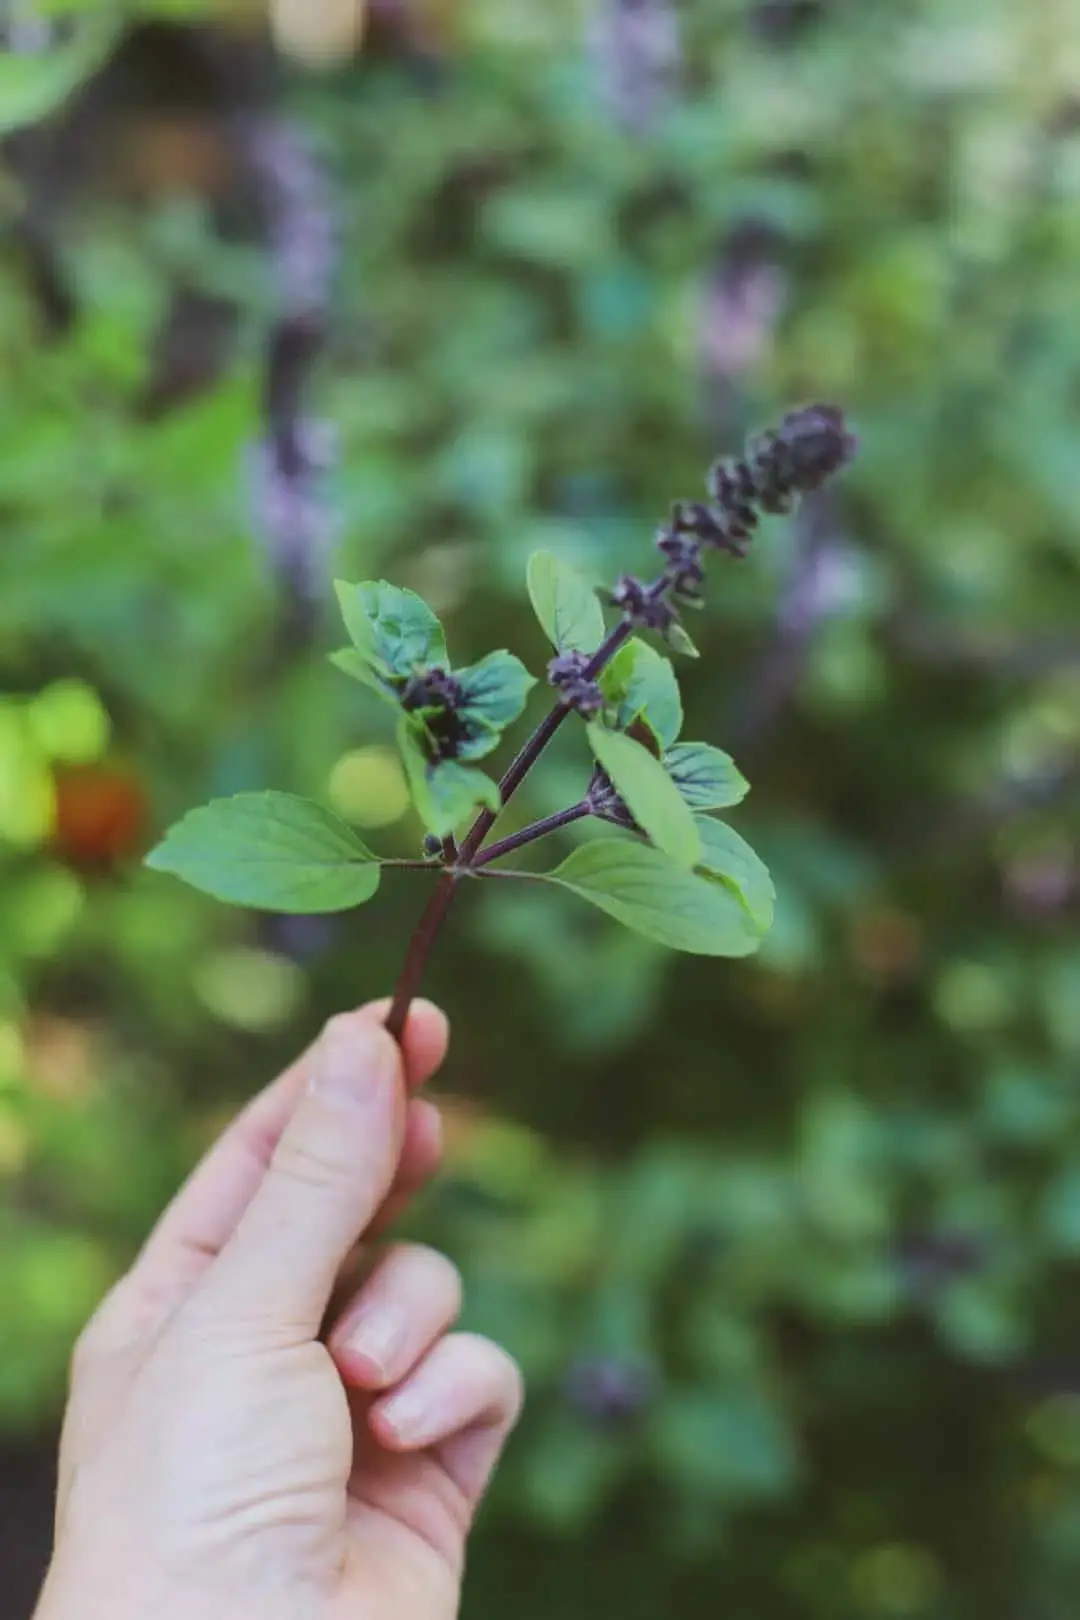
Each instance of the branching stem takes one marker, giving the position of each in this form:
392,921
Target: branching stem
529,834
468,856
519,768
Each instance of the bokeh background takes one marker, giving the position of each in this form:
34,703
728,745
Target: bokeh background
788,1249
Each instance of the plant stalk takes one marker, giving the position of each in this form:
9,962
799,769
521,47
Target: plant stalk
529,835
420,947
519,768
427,930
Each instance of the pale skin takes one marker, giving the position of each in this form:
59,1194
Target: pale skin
253,1433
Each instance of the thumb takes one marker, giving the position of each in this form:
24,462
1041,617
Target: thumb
332,1169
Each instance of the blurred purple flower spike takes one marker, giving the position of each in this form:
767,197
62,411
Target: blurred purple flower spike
636,49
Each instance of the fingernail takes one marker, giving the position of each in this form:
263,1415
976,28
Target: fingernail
376,1337
408,1413
352,1062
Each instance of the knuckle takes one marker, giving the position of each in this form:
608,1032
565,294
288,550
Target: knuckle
502,1375
423,1270
96,1342
454,1286
84,1352
312,1160
439,1273
515,1386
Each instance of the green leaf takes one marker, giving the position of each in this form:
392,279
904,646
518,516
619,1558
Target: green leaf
273,851
447,793
641,888
393,629
481,738
679,641
640,681
450,794
649,794
350,663
707,778
35,84
565,604
495,689
728,857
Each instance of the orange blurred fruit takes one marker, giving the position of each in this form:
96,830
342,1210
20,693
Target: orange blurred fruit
101,814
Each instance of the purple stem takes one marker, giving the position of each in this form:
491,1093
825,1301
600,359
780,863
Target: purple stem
434,916
541,737
419,950
529,835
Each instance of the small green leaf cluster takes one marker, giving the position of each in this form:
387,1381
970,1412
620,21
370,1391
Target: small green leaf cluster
446,718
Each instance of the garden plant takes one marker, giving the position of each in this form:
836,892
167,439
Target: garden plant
683,878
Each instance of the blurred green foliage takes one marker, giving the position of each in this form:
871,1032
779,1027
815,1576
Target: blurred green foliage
787,1249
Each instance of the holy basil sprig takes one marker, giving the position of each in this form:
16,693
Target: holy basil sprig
672,871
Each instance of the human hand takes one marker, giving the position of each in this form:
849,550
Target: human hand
243,1438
